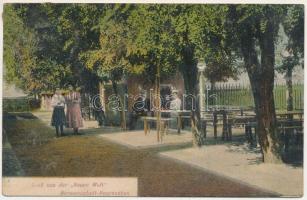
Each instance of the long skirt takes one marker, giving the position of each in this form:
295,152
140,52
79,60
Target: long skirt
58,116
73,116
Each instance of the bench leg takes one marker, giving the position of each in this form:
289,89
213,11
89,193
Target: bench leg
287,137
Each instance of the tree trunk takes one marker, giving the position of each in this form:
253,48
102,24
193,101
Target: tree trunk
122,109
190,72
266,120
197,129
101,114
289,89
158,103
261,77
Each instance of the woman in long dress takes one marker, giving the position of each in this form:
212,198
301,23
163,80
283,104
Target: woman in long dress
58,119
73,115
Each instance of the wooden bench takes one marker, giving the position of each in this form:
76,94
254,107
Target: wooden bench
289,127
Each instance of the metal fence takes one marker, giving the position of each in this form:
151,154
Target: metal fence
240,95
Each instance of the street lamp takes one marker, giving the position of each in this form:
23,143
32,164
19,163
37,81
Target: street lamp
201,68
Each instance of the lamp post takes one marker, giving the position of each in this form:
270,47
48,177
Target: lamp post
201,68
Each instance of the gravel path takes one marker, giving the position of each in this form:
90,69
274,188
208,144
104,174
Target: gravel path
40,154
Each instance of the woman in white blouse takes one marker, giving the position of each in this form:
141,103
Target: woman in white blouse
58,116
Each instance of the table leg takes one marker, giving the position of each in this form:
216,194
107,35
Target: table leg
215,125
204,127
256,137
250,134
158,131
145,126
224,134
230,131
178,123
162,130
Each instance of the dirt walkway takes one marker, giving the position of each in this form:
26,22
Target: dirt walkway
40,154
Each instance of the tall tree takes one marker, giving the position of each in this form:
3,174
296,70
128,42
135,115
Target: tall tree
155,40
110,60
201,38
255,28
62,32
46,72
19,49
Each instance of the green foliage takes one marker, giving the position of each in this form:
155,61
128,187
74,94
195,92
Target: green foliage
19,47
110,58
294,28
112,40
247,24
60,32
155,38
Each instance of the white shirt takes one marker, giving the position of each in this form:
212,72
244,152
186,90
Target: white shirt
57,100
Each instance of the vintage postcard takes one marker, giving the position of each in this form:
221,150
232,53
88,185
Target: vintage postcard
152,99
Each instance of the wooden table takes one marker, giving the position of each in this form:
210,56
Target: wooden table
227,132
290,126
179,117
238,119
163,126
249,122
290,114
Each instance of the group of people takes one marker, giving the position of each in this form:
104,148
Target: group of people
73,118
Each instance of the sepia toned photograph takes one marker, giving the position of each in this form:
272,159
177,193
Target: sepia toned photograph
153,100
